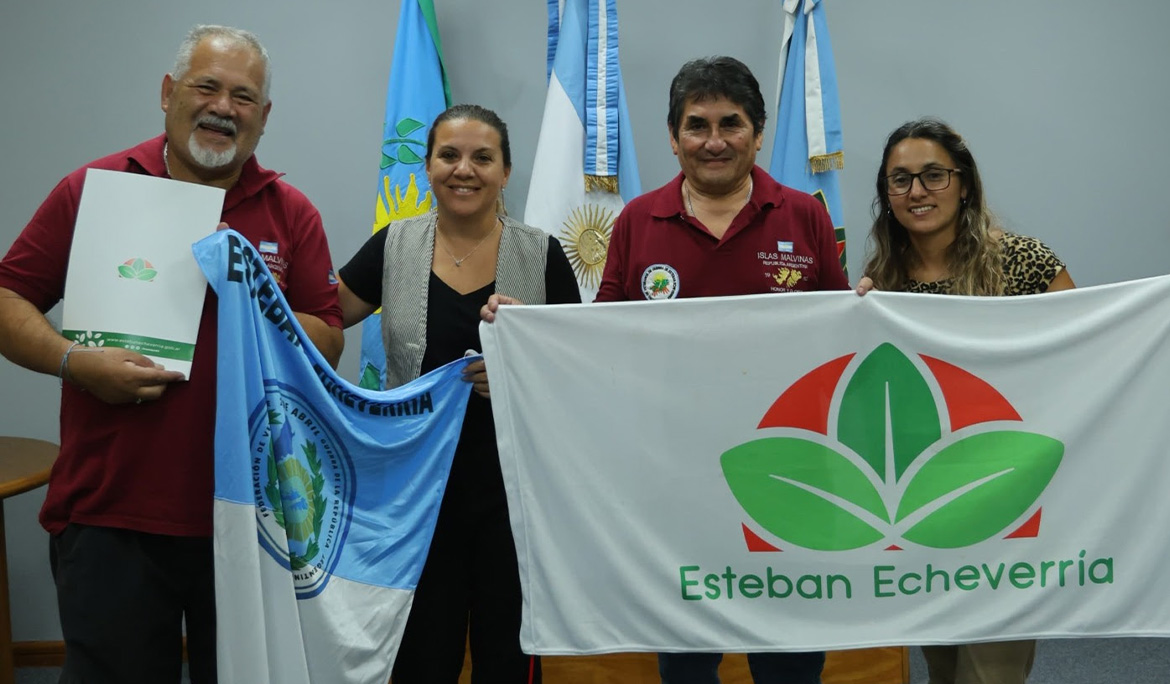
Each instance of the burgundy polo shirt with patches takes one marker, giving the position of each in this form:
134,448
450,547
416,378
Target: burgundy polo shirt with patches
781,241
148,467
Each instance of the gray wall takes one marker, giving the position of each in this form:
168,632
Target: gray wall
1064,103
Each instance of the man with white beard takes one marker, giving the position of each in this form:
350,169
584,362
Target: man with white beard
130,497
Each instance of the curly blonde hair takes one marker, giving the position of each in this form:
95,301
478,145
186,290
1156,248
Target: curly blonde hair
974,259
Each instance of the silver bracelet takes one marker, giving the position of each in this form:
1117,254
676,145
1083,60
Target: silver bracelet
65,362
63,371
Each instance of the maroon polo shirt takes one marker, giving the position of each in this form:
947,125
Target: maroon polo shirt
148,467
781,241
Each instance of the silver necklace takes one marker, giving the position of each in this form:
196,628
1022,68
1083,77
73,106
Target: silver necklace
459,262
166,164
691,207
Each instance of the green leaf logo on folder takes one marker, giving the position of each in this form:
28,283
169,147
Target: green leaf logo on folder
889,462
137,269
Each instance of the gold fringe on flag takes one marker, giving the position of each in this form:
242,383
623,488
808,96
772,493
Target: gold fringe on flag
604,183
827,162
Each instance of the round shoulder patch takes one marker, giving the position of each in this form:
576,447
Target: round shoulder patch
660,281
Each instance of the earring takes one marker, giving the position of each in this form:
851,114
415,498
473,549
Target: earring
501,207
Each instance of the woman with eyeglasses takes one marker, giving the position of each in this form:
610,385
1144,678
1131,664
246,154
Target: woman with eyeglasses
934,234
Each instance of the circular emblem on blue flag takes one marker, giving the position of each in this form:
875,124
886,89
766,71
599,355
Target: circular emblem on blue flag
302,478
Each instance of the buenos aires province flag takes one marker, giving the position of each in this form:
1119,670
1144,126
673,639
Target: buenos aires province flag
416,94
807,150
585,169
326,495
814,471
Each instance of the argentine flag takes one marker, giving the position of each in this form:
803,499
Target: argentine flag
585,169
326,495
416,94
807,151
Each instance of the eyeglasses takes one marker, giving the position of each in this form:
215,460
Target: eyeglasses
931,179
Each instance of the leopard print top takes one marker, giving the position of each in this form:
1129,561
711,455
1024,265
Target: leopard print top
1030,266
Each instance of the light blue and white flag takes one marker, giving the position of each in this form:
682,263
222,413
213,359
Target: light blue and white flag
326,495
416,94
807,151
585,169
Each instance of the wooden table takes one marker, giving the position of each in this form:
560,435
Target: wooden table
24,465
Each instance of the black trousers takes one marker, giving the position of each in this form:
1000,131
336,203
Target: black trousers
469,589
123,597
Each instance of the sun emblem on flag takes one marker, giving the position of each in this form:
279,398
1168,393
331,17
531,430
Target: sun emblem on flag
405,146
396,205
586,240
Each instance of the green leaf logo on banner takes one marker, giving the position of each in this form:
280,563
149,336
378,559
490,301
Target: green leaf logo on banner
895,472
978,486
799,490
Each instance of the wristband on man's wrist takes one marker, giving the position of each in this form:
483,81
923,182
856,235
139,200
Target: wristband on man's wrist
63,373
61,370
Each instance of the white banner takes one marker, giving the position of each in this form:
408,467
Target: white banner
823,471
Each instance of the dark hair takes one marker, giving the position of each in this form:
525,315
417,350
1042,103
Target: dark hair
713,77
974,258
474,113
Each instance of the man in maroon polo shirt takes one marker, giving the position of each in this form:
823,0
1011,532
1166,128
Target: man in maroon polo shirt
130,496
723,226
